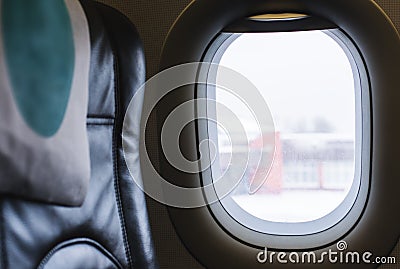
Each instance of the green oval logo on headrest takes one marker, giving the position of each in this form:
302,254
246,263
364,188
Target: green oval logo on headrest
40,57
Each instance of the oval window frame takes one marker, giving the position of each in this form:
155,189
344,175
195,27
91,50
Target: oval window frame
377,218
358,190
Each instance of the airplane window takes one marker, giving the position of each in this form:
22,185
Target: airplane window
292,138
307,81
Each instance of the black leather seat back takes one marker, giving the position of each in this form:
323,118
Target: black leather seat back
110,230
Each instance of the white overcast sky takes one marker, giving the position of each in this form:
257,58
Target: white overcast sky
301,75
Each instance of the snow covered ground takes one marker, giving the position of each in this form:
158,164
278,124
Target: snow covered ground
291,205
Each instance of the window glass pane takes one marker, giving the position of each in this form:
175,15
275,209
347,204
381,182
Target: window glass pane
307,81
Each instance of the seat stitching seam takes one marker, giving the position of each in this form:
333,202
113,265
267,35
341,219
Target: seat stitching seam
116,163
3,251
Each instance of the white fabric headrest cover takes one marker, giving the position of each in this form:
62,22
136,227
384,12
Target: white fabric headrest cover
44,70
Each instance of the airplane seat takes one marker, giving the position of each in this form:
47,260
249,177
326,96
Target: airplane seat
110,229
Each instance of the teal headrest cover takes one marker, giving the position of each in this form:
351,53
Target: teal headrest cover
44,69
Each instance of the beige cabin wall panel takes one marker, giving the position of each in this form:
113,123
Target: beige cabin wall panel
153,18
